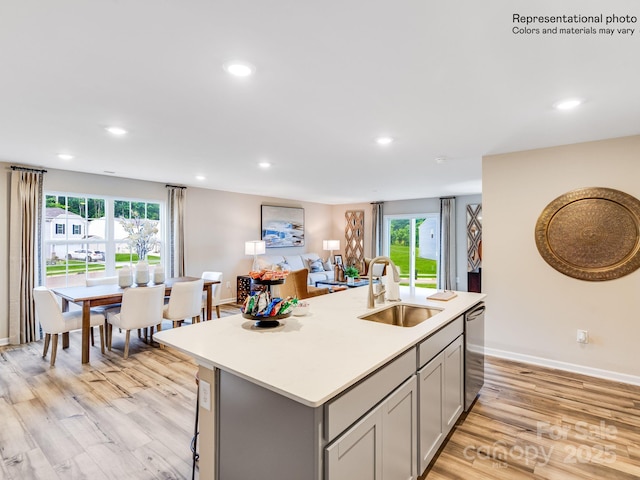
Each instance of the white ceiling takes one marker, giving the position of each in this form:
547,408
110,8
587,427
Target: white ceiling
444,78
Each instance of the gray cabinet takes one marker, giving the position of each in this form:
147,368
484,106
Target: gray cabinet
382,445
440,393
357,454
453,383
431,394
399,428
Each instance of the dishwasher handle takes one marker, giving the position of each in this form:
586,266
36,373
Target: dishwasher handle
474,314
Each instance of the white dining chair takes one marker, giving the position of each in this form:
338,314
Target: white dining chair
104,309
54,321
185,301
216,291
141,308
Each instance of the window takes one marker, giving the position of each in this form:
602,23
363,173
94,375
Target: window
83,236
138,217
413,243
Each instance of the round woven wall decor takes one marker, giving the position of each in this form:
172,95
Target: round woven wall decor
591,234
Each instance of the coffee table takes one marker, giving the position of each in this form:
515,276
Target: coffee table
341,285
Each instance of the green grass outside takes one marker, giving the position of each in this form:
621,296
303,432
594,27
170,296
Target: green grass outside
74,266
78,266
400,255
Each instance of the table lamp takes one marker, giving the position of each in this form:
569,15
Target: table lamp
255,248
331,245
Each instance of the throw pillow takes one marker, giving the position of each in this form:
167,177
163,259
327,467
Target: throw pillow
316,266
327,266
284,266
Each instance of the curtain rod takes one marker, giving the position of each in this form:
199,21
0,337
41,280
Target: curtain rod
25,169
175,186
377,203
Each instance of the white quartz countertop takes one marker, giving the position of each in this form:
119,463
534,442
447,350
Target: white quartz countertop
312,358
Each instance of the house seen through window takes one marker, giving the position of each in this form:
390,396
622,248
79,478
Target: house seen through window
88,236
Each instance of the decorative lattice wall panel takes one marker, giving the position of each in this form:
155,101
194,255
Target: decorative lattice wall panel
474,237
354,236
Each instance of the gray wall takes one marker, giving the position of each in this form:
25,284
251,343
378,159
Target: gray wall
534,311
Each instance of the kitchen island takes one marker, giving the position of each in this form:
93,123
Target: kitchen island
281,399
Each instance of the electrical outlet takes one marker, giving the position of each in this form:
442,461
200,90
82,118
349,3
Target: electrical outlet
582,336
228,284
205,395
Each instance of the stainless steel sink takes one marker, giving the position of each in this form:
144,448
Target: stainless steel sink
402,315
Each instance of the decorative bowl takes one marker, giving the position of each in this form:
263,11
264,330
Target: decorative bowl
301,309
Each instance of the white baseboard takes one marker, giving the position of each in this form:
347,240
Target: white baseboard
568,367
4,342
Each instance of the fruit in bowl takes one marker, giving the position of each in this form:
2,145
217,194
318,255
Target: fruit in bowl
268,275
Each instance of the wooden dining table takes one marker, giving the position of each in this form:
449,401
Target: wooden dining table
100,295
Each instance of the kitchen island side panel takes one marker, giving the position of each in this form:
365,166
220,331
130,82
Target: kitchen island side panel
264,435
206,428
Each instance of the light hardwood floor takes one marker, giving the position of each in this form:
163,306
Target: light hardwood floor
111,419
133,419
536,423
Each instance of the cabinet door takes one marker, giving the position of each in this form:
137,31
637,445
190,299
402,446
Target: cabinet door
431,423
357,454
399,439
453,382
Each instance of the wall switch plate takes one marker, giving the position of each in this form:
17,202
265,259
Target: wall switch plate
228,284
205,395
582,336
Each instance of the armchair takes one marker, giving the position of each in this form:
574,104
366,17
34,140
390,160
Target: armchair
296,285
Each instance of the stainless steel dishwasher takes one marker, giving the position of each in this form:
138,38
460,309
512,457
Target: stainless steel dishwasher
473,353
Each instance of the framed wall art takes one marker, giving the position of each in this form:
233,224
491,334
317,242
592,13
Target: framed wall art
591,234
282,226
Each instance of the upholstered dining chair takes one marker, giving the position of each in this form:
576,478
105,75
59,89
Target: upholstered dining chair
141,308
54,321
115,308
216,291
185,302
296,285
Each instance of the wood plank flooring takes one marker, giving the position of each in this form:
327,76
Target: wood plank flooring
133,419
536,423
111,419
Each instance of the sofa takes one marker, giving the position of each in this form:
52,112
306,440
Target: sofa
318,269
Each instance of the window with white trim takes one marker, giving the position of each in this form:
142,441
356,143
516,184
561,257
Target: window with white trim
83,236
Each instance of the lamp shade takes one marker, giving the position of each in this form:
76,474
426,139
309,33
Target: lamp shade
255,247
331,245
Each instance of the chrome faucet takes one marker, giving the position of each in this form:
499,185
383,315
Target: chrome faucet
396,278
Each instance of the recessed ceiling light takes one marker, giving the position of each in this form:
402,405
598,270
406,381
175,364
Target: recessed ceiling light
264,164
239,69
116,131
200,177
568,104
441,160
384,140
65,156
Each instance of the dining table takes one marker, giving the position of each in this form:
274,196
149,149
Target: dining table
100,295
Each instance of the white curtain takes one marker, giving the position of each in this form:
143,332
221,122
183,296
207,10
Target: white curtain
25,252
447,264
176,205
377,220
